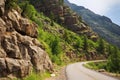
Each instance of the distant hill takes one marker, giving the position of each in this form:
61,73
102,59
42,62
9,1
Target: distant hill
100,24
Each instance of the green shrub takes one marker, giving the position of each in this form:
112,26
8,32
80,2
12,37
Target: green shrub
56,47
9,4
28,10
114,61
97,65
56,59
101,47
85,43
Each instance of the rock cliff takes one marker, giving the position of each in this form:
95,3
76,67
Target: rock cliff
64,15
20,51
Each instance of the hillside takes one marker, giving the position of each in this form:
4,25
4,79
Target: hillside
100,24
34,39
63,15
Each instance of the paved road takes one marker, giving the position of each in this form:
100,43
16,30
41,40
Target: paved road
76,71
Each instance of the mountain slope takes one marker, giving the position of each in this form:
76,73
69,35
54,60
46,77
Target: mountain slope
62,14
100,24
21,52
28,35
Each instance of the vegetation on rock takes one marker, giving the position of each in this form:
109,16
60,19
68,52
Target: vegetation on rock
63,43
100,24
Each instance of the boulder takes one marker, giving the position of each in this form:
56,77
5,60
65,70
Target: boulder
27,28
13,16
70,20
3,68
74,27
58,10
22,25
9,44
39,58
19,68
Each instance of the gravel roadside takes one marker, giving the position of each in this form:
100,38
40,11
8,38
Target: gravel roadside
60,75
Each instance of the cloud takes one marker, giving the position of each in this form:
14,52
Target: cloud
97,6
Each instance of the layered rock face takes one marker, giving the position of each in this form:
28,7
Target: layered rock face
20,51
64,15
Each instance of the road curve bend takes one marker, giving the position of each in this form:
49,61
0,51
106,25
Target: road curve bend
77,71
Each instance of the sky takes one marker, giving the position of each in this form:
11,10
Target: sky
109,8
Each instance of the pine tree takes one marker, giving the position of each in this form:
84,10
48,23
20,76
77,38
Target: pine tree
78,44
114,61
109,50
56,47
52,18
85,44
101,47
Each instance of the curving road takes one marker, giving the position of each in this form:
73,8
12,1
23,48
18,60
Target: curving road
76,71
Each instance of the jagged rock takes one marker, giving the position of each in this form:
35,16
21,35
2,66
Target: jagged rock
2,5
38,55
20,51
70,20
9,43
58,10
19,68
66,10
24,47
83,26
28,28
74,27
3,67
2,26
2,53
22,25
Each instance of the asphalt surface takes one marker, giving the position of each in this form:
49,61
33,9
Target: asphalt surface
77,71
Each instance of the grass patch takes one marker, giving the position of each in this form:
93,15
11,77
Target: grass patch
36,76
96,65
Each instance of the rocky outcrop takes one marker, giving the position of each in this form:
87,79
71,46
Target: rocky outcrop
70,20
102,25
21,25
20,51
63,15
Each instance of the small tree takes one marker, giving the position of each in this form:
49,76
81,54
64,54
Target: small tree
52,18
85,44
78,44
56,47
109,50
101,47
114,61
66,36
28,10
